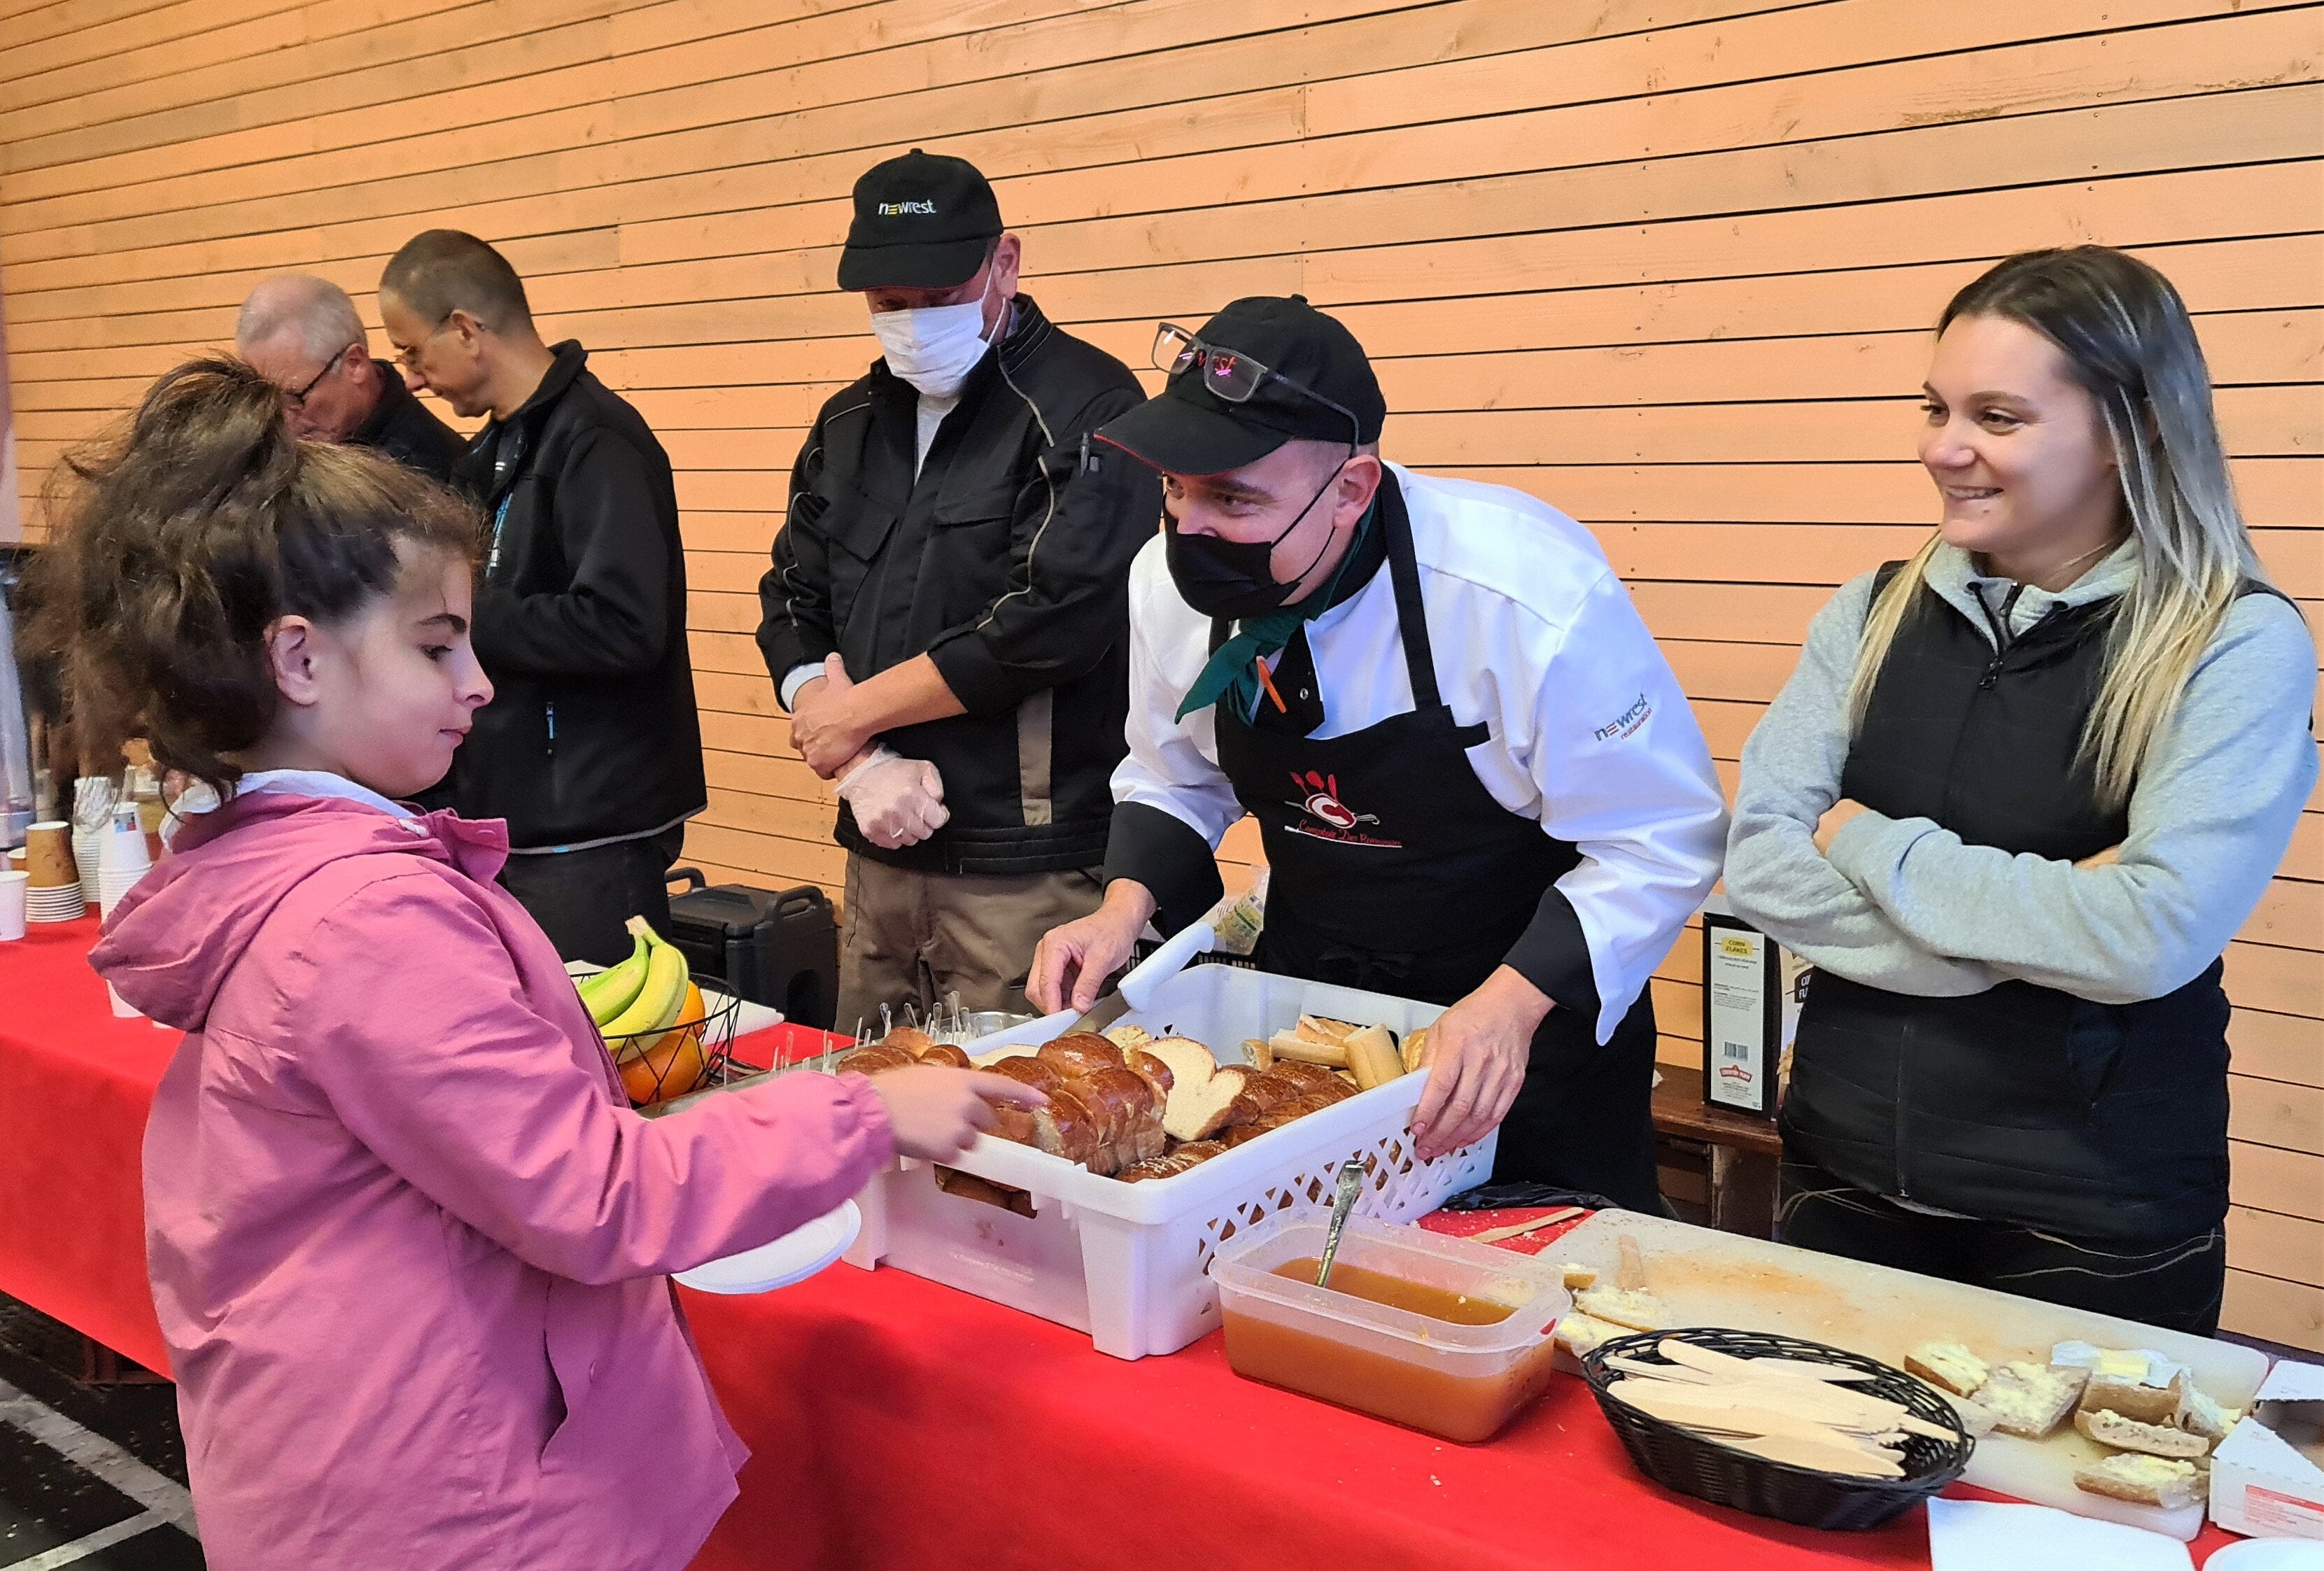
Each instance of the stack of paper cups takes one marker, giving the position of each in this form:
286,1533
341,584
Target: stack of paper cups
52,892
12,904
121,861
85,853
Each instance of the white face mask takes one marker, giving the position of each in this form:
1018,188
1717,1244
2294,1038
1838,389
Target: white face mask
935,347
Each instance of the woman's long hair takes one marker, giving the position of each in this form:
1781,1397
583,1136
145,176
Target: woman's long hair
2127,340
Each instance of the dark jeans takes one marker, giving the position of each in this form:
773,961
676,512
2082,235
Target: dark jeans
2174,1283
584,899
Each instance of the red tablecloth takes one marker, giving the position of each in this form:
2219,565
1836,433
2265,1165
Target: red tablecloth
896,1423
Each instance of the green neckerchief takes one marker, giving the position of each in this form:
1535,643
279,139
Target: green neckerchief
1233,666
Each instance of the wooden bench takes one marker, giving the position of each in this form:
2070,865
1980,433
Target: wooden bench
1736,1153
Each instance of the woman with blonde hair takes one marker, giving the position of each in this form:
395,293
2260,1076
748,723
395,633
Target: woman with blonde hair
2015,801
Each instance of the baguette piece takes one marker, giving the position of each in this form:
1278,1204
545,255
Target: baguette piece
1578,1333
1331,1054
2110,1429
1947,1366
1373,1058
2134,1398
2031,1399
1414,1049
2141,1479
2202,1416
1634,1308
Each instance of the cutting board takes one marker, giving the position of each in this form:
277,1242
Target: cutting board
1722,1279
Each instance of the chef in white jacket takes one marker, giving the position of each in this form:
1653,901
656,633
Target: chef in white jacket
1476,779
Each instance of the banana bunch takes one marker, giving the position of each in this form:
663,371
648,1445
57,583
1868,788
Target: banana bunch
636,1002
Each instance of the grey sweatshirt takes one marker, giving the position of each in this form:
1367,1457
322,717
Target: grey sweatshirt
1903,904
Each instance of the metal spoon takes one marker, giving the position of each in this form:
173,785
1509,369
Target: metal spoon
1352,1183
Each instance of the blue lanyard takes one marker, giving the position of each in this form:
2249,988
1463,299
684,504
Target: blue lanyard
499,521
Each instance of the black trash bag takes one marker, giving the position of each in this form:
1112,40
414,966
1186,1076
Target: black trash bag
1508,1196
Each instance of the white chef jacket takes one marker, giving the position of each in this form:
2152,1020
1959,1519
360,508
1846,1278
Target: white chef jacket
1533,634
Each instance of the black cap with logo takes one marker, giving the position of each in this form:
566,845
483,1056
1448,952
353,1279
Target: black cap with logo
1313,380
922,221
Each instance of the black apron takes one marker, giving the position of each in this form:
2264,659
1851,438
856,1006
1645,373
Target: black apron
1395,871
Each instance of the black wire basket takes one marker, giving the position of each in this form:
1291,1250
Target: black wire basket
1700,1466
660,1067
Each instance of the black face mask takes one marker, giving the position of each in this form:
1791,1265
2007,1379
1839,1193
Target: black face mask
1235,579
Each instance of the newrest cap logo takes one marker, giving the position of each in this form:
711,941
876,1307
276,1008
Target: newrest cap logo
897,210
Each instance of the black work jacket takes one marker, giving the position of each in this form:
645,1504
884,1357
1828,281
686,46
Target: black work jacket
592,732
1006,560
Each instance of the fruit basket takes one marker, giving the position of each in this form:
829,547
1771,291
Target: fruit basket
670,1030
694,1051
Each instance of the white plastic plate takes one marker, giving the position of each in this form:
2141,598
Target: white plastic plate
794,1257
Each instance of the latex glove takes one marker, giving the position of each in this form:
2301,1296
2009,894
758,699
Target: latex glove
898,801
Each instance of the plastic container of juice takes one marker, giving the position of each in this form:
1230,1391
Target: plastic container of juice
1435,1333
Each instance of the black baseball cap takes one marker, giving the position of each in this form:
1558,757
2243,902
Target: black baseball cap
922,221
1314,363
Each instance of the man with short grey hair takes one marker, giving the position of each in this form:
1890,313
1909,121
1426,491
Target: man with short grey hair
303,334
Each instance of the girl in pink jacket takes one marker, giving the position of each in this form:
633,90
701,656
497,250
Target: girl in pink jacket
408,1242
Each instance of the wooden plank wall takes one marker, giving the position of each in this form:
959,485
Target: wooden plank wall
1668,263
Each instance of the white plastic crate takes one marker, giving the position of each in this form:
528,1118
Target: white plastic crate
1128,1262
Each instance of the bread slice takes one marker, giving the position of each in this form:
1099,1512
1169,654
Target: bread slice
1199,1109
2134,1398
1636,1309
2108,1428
1578,1333
1975,1415
2031,1399
1947,1366
2142,1480
1127,1037
2201,1416
1414,1047
1578,1276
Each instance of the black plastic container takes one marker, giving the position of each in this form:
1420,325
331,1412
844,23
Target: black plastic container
1695,1464
775,948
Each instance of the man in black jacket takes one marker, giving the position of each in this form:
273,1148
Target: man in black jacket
302,334
947,616
591,748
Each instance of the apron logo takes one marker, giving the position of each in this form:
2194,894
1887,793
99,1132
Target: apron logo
1332,819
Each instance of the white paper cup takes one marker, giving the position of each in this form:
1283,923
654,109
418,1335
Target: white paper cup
121,850
120,1009
12,904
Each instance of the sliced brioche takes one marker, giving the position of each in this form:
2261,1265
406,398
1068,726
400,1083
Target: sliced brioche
1947,1366
1127,1037
2110,1428
2142,1480
2031,1399
1200,1109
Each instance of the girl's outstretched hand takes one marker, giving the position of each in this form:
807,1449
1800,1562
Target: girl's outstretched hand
936,1113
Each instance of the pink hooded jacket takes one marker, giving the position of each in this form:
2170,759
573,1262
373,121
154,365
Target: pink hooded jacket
407,1239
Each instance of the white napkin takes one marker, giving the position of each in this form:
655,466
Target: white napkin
1981,1535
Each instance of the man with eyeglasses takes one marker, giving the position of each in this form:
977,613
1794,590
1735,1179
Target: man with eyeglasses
1476,779
591,748
303,334
946,617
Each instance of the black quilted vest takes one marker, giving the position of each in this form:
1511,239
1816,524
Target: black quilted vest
2022,1103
